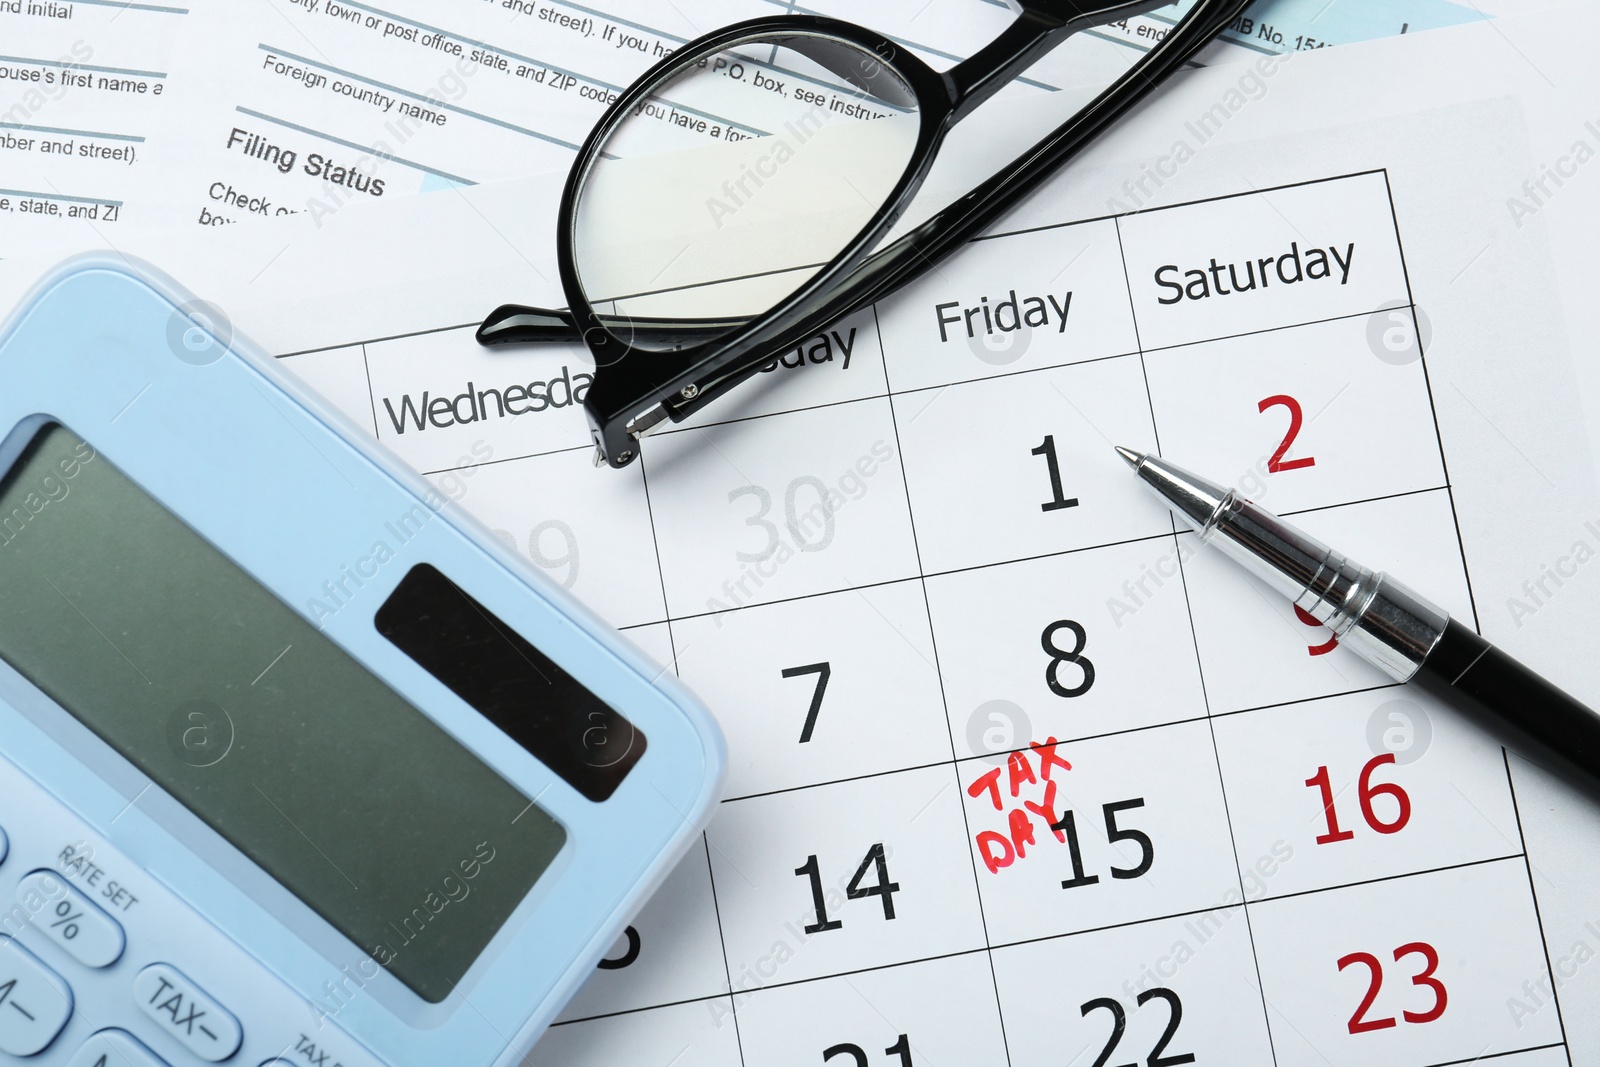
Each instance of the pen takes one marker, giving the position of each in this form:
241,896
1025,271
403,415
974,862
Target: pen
1388,625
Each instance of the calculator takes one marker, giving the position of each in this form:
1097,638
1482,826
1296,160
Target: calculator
298,765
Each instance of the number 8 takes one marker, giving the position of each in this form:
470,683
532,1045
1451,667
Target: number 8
1059,656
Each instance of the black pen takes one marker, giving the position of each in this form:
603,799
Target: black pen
1388,625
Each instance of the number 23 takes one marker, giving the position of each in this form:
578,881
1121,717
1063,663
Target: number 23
1359,1024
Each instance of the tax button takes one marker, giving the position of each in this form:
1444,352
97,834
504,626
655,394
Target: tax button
34,1003
114,1048
70,919
185,1011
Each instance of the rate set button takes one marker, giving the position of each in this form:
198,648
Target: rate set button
67,917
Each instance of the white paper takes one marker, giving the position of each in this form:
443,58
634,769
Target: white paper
938,590
380,101
85,87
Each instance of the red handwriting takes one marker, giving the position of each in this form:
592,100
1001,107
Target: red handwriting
1003,849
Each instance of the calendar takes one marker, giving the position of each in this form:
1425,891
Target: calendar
1020,773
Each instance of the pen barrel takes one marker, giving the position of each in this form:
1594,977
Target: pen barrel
1507,699
1373,615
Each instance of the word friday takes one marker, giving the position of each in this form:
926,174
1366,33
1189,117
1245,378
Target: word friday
1290,267
1007,315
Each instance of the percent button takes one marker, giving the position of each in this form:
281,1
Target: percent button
70,919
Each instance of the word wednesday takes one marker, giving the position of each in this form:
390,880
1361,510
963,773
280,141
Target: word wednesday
1290,268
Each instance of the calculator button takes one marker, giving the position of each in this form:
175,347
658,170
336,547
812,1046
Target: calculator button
187,1012
71,920
34,1002
114,1048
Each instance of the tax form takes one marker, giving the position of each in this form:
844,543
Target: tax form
308,104
117,114
84,89
1020,775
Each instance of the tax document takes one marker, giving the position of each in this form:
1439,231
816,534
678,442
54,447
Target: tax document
308,105
84,87
1021,774
116,115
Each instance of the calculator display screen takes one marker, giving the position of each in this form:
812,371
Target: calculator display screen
333,784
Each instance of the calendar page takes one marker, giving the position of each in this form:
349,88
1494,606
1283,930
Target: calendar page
1020,774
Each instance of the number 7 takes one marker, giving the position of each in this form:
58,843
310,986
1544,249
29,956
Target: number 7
823,672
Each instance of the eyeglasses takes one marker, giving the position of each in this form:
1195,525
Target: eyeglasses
732,202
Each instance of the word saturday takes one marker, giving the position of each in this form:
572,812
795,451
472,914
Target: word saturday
1225,279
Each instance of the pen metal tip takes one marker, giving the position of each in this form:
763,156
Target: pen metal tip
1195,498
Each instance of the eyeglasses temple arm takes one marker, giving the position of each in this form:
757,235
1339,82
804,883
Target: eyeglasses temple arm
1031,35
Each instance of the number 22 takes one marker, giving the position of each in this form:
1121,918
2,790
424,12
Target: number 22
1119,1026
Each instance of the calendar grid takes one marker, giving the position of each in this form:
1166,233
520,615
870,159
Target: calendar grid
722,940
1199,660
655,551
669,430
678,617
955,763
1502,1055
1117,216
1533,891
1152,920
1144,539
1222,785
366,369
1433,408
1477,625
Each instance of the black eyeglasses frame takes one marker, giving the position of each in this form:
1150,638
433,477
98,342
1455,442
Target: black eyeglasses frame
636,389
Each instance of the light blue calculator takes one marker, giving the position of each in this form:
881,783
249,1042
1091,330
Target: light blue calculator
298,767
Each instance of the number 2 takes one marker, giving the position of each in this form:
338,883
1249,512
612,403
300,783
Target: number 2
901,1048
1277,462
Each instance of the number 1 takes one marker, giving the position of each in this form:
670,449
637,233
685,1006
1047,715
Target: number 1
813,872
1321,781
1058,499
